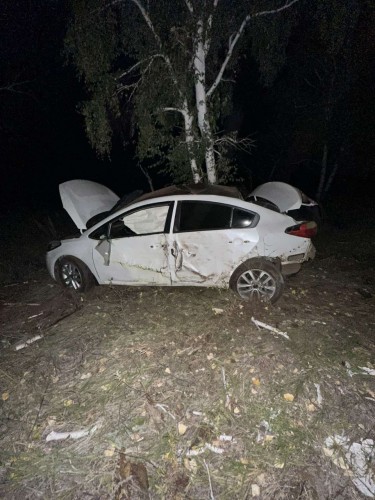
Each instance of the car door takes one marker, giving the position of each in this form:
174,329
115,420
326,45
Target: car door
135,249
210,240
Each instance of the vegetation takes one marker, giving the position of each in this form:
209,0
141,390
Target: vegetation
163,73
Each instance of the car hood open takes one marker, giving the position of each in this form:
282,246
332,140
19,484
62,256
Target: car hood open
284,196
84,199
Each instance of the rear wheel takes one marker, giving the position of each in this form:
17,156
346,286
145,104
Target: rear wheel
75,275
258,279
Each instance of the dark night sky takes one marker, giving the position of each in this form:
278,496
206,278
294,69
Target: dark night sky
42,139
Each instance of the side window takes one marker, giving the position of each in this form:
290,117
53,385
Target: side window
150,220
203,216
243,218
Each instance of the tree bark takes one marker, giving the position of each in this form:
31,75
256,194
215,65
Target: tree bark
189,138
201,104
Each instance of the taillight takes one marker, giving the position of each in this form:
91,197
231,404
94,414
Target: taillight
303,229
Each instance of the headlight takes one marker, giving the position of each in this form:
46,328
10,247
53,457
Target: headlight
52,245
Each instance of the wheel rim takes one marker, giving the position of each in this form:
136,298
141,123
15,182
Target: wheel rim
71,276
256,283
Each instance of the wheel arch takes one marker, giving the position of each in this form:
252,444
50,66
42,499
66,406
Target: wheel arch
80,261
258,262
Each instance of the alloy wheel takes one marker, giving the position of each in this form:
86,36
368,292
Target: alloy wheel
256,283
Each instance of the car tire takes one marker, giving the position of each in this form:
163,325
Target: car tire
75,275
258,279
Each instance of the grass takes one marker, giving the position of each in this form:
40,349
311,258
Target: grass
157,376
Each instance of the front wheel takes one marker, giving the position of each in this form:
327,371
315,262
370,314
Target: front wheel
75,275
258,279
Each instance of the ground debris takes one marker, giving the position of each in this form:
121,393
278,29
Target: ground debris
141,368
271,329
59,436
355,459
131,479
22,345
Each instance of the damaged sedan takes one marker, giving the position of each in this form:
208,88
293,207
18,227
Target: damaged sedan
194,235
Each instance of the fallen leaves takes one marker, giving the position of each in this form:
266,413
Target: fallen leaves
110,451
182,428
288,397
5,396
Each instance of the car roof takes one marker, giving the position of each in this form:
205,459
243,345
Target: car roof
195,189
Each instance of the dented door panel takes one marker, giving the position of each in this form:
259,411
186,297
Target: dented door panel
138,259
210,257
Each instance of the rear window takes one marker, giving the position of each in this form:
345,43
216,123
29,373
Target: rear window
206,216
199,216
242,218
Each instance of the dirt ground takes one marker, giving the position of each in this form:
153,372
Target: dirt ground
179,395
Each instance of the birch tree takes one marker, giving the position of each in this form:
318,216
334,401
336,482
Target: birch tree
167,70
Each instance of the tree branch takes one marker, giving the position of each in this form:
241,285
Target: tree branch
189,5
177,110
139,63
244,144
235,37
167,60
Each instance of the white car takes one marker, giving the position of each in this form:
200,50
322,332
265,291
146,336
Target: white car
190,235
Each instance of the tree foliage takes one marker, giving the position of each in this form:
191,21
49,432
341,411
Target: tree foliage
167,70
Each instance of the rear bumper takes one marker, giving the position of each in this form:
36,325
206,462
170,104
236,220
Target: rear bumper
294,262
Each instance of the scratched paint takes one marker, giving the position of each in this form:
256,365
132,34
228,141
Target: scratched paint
139,259
210,257
202,258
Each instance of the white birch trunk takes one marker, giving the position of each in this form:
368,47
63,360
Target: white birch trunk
189,138
201,104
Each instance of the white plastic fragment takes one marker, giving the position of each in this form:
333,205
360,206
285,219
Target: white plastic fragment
272,329
365,370
207,446
225,437
35,315
368,371
357,461
319,398
196,451
28,342
217,310
59,436
214,449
